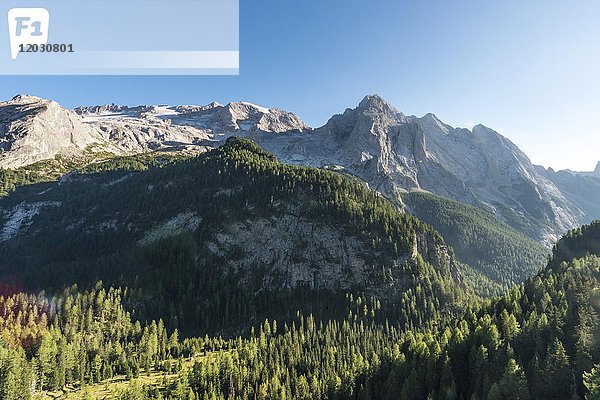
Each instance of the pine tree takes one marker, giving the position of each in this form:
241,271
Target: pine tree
513,385
557,372
495,393
592,383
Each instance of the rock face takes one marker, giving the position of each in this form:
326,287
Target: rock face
580,189
392,152
300,252
499,175
33,129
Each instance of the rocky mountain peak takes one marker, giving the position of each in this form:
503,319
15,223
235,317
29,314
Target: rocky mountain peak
480,128
34,129
431,117
371,119
245,116
20,106
214,104
247,107
431,123
25,98
375,104
395,153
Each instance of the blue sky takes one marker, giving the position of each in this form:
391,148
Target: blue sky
530,70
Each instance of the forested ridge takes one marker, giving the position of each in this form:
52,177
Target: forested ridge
96,227
53,169
496,255
577,243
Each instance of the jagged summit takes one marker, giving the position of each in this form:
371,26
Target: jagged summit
395,153
375,103
432,123
25,98
361,130
431,116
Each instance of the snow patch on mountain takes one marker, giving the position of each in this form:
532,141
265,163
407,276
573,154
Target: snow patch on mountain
257,107
148,128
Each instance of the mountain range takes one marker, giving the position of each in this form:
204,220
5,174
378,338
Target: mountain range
392,152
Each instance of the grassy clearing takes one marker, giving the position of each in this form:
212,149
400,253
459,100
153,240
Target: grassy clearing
110,388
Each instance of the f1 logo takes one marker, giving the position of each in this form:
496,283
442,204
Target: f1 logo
27,26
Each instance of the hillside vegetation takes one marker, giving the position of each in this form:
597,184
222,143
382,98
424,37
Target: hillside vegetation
577,243
540,341
479,239
52,170
184,238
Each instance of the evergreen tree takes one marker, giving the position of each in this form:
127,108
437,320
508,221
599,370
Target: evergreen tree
592,383
557,372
